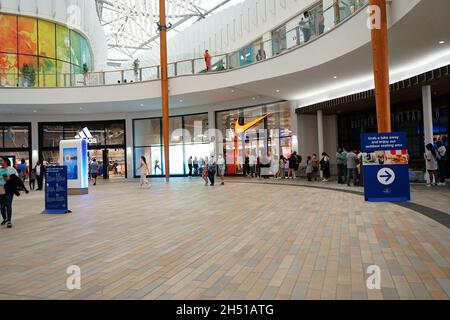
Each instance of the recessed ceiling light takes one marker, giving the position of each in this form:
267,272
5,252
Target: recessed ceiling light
441,42
335,77
232,90
278,90
142,104
181,100
254,98
34,111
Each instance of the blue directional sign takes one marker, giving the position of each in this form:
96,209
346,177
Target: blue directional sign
385,167
56,190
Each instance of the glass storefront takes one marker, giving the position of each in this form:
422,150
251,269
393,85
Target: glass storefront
188,138
263,132
15,142
107,144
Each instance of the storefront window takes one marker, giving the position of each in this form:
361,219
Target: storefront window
16,137
269,137
188,137
52,135
107,144
15,142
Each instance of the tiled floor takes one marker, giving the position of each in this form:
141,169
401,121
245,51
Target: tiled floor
241,241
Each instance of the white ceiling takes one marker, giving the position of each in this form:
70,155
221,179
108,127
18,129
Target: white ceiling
414,48
130,25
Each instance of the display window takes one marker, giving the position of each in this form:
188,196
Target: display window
189,137
254,135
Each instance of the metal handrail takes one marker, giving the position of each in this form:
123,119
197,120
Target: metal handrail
219,62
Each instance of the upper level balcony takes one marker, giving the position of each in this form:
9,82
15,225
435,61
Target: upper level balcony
312,62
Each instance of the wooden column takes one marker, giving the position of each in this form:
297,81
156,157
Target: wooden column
381,68
164,84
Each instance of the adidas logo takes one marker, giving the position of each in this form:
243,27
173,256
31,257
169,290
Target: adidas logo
86,134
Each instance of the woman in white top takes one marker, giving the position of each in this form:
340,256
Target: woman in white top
143,169
431,158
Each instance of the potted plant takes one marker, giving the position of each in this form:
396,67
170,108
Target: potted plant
136,64
29,75
85,73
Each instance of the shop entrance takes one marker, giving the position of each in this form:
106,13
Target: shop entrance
111,162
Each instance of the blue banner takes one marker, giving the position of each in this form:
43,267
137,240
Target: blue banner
56,190
371,142
385,165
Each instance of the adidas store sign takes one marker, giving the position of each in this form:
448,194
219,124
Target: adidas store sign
86,134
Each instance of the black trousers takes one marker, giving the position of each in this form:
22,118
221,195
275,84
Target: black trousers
341,173
442,170
6,206
32,184
211,177
40,180
190,170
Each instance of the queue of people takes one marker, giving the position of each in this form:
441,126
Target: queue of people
436,159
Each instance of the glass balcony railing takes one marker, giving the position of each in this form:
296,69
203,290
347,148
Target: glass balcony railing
307,26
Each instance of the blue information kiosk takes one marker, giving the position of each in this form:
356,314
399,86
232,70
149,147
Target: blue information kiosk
56,190
385,167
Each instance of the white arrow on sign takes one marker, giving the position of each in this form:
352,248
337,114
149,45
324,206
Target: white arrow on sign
386,176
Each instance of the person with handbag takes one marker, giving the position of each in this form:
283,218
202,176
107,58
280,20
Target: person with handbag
211,170
442,162
144,171
9,184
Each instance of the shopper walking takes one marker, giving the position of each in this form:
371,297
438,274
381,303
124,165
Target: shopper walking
22,171
315,166
8,188
305,26
157,166
144,171
325,167
442,162
211,170
207,57
282,164
340,160
94,170
292,162
39,169
298,162
32,179
253,161
351,167
190,166
431,159
204,169
195,164
221,169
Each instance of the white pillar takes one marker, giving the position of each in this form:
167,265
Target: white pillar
34,143
212,125
129,148
320,140
294,125
427,114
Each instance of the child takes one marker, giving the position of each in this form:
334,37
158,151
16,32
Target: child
32,179
309,168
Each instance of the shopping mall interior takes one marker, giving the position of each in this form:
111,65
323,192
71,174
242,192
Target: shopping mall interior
242,111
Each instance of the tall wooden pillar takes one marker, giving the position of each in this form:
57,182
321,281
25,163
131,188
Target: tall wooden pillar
380,55
164,84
